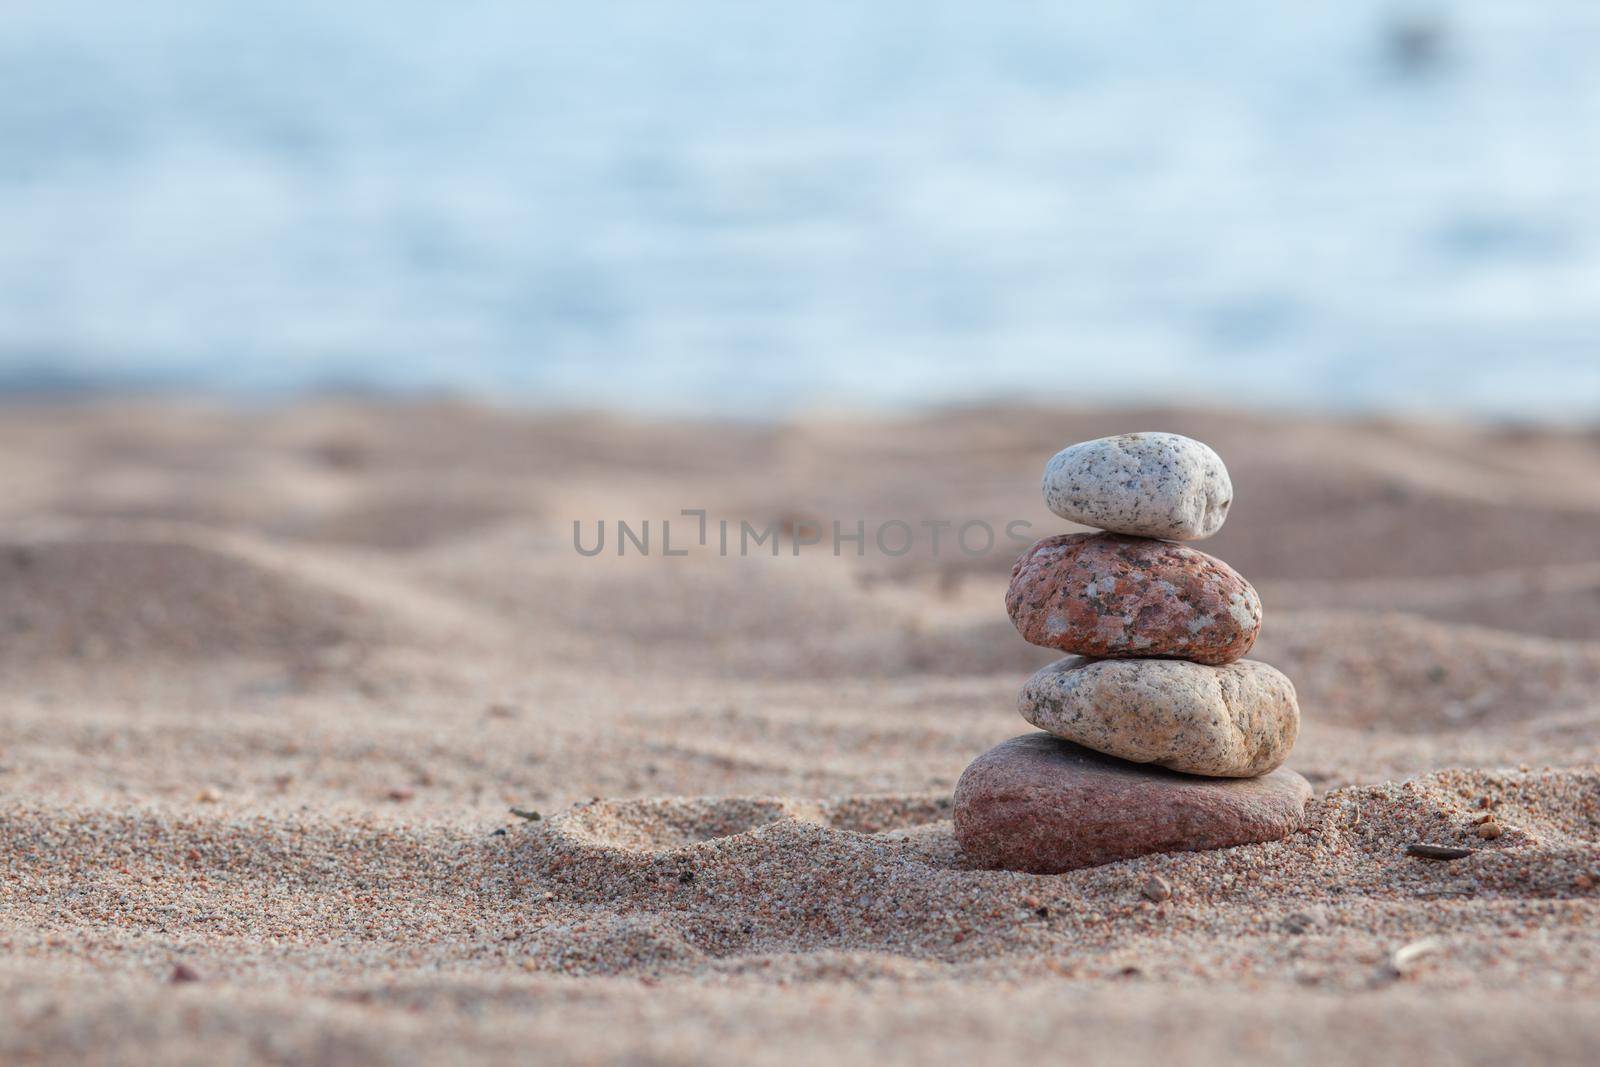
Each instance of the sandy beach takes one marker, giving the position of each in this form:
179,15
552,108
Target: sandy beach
274,678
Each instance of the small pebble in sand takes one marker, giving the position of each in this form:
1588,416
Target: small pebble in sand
184,973
1401,960
1299,922
1156,889
1423,850
1233,721
1145,484
1111,595
1489,829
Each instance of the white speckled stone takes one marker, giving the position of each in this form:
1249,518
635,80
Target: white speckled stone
1233,721
1146,484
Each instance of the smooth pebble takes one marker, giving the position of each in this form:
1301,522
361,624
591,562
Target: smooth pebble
1113,595
1146,484
1043,805
1234,721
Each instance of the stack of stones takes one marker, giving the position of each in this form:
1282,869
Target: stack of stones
1158,736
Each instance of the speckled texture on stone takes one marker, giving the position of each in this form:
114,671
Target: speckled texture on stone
1039,804
1236,721
1146,484
1110,595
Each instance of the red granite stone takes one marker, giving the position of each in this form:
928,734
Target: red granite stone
1039,804
1105,595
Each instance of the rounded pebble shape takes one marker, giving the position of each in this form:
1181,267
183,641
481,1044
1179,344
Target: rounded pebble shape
1145,484
1111,595
1039,804
1235,721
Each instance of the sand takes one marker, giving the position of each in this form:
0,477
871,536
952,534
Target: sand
273,678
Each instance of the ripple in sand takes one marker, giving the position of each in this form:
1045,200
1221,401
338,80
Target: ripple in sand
668,826
880,876
111,597
1408,675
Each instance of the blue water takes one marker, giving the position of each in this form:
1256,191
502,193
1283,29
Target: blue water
744,206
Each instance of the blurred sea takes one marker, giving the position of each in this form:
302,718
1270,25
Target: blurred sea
744,207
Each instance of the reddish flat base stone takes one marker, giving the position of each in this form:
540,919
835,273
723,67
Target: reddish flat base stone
1105,595
1039,804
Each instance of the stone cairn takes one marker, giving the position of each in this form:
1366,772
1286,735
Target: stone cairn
1158,736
